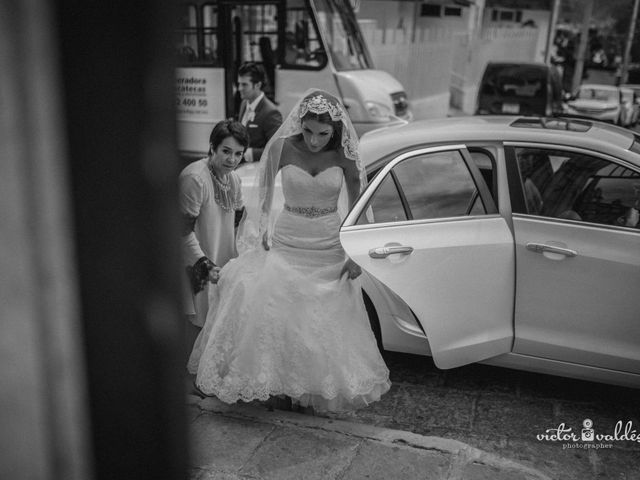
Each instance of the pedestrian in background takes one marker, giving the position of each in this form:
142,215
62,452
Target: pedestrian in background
210,200
259,114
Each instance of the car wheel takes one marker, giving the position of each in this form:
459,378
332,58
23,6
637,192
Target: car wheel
374,321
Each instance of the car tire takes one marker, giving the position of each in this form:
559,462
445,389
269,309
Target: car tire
374,321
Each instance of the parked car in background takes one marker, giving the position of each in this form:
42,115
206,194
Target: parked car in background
599,102
505,240
520,89
629,115
636,101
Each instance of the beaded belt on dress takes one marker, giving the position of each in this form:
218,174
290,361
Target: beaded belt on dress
310,212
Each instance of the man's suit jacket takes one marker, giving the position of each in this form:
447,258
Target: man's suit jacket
266,121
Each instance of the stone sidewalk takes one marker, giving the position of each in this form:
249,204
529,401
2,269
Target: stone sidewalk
246,441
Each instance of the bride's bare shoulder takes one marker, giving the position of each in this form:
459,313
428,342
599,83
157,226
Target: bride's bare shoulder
283,148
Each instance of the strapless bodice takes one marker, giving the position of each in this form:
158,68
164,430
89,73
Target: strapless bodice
303,190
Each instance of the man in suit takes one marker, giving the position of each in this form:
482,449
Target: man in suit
259,114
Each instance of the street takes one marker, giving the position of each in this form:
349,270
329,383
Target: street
503,411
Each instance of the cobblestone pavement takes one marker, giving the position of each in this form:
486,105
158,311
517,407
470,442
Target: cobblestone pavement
502,411
249,442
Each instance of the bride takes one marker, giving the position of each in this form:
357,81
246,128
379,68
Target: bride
288,317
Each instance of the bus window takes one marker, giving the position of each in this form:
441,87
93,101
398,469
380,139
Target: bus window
257,27
210,53
187,37
302,45
198,47
255,38
342,35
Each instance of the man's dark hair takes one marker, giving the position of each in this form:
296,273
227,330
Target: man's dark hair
253,70
225,129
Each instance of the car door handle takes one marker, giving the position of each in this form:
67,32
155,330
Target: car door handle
384,252
541,248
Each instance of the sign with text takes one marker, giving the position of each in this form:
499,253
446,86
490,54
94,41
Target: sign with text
200,94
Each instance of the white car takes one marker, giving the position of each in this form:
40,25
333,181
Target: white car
598,102
504,240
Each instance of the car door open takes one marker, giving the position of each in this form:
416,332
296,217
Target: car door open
427,228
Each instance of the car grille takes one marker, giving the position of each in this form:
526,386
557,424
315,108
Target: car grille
400,103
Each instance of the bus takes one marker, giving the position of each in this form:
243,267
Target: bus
300,43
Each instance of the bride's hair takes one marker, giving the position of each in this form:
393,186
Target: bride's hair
335,143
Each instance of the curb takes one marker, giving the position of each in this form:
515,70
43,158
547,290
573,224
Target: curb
461,454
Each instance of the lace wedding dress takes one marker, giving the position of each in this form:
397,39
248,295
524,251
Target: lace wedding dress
285,321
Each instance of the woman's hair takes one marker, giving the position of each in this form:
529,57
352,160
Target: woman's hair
225,129
336,138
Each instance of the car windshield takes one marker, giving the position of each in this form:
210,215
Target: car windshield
597,94
516,80
342,35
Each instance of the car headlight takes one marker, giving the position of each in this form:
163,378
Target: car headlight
377,111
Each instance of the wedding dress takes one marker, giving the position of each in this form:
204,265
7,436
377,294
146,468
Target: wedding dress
285,321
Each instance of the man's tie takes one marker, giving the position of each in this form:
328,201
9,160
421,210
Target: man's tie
246,116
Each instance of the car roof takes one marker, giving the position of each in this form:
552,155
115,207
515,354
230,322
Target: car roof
595,136
599,86
515,64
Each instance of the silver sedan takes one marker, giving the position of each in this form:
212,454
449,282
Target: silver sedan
502,240
599,102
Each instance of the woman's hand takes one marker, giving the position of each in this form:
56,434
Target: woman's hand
214,274
201,272
265,240
352,268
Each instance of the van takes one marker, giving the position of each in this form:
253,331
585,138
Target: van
531,89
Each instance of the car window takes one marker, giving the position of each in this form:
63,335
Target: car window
515,80
485,163
575,186
432,185
385,203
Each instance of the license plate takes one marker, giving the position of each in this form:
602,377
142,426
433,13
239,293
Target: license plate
510,108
